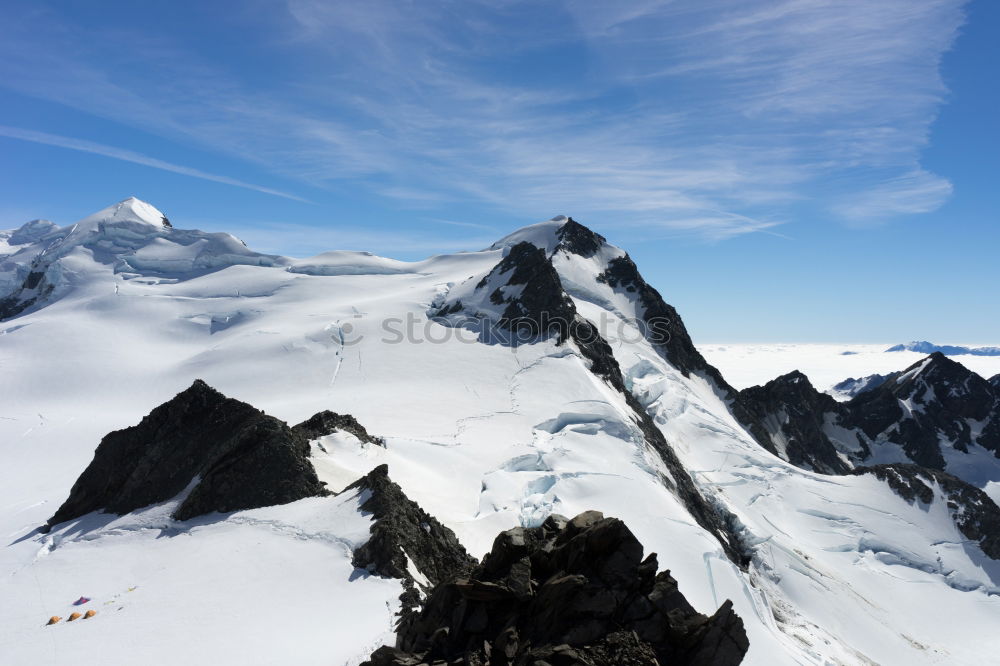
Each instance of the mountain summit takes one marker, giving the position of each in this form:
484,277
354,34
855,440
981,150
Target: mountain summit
41,262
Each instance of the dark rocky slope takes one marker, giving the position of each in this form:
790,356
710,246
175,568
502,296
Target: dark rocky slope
931,400
326,423
578,239
931,404
788,417
975,514
401,529
235,456
567,592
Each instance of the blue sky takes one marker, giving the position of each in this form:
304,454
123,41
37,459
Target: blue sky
782,170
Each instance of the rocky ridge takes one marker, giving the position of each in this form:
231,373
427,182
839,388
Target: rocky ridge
788,418
224,454
406,542
934,403
326,423
568,592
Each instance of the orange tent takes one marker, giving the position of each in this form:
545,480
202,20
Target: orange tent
89,614
54,619
74,616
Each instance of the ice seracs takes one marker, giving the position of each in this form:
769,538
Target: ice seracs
31,231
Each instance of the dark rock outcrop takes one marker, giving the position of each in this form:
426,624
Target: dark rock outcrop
326,423
931,400
229,455
796,414
932,404
578,239
975,514
788,415
400,530
527,288
541,308
567,592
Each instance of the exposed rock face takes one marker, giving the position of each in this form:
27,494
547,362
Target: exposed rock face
932,400
326,423
788,415
932,404
541,308
521,295
578,239
995,382
567,592
975,514
402,533
235,456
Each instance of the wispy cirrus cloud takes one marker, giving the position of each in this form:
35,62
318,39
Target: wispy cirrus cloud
713,118
908,194
124,155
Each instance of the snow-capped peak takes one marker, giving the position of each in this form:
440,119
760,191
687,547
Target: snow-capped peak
543,234
131,237
131,210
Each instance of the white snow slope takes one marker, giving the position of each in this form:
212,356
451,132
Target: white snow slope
484,437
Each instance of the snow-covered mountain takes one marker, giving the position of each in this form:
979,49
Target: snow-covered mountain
850,387
41,261
936,413
924,347
497,389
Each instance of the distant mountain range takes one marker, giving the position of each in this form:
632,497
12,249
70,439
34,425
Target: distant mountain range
924,347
